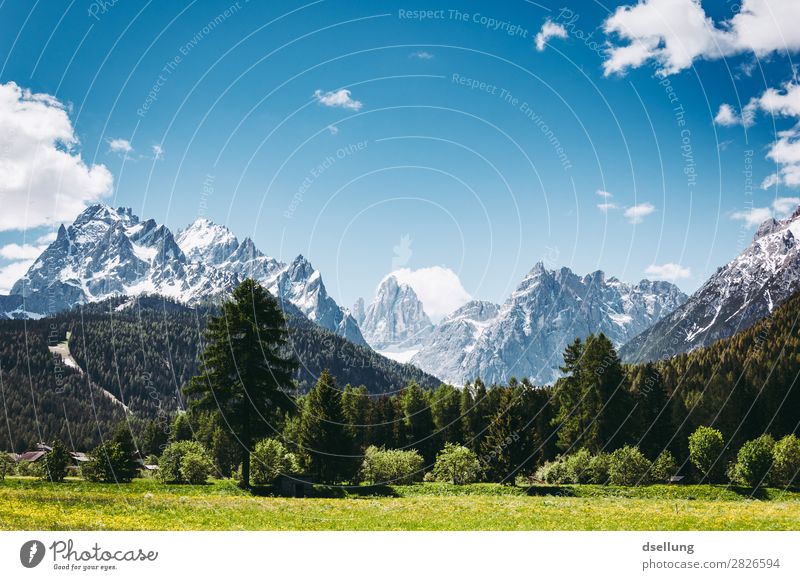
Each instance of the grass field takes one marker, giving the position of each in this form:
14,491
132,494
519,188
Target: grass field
28,504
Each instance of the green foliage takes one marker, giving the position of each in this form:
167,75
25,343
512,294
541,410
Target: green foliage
593,399
195,468
109,464
181,429
753,462
55,464
270,459
323,434
511,442
184,462
7,465
457,464
598,469
664,467
391,466
418,421
706,445
246,370
628,466
786,457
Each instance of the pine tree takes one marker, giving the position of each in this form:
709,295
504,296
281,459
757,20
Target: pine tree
418,421
323,433
245,374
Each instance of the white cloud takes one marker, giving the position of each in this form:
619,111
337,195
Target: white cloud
122,146
669,271
549,30
12,272
333,129
46,238
605,207
675,33
752,217
340,98
158,151
637,213
24,252
43,180
726,117
604,194
755,216
421,55
439,289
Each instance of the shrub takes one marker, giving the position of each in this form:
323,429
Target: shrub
554,472
196,467
27,469
456,464
664,467
110,463
705,449
576,466
7,465
786,461
182,459
753,462
598,467
628,466
55,464
391,465
268,460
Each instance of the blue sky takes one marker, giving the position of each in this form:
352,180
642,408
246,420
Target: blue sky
458,135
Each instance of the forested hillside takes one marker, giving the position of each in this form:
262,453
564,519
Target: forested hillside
143,352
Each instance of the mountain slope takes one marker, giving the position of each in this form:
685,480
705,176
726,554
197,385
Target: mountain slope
142,351
454,338
738,295
544,314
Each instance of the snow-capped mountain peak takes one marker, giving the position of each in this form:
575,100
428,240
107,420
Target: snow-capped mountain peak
396,319
738,295
205,241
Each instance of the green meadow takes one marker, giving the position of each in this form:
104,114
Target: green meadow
145,504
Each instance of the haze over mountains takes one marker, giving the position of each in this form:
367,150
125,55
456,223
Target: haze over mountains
110,252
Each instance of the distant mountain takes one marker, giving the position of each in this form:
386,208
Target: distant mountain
737,296
109,252
454,338
395,320
527,335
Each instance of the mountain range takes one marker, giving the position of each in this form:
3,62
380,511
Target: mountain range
109,252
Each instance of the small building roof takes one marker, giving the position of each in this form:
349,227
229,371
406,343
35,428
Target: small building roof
31,456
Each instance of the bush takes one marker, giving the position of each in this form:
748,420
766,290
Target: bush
598,468
705,449
7,465
554,472
628,466
184,462
456,464
268,460
110,463
391,466
786,461
664,467
55,464
576,466
753,462
27,469
196,467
